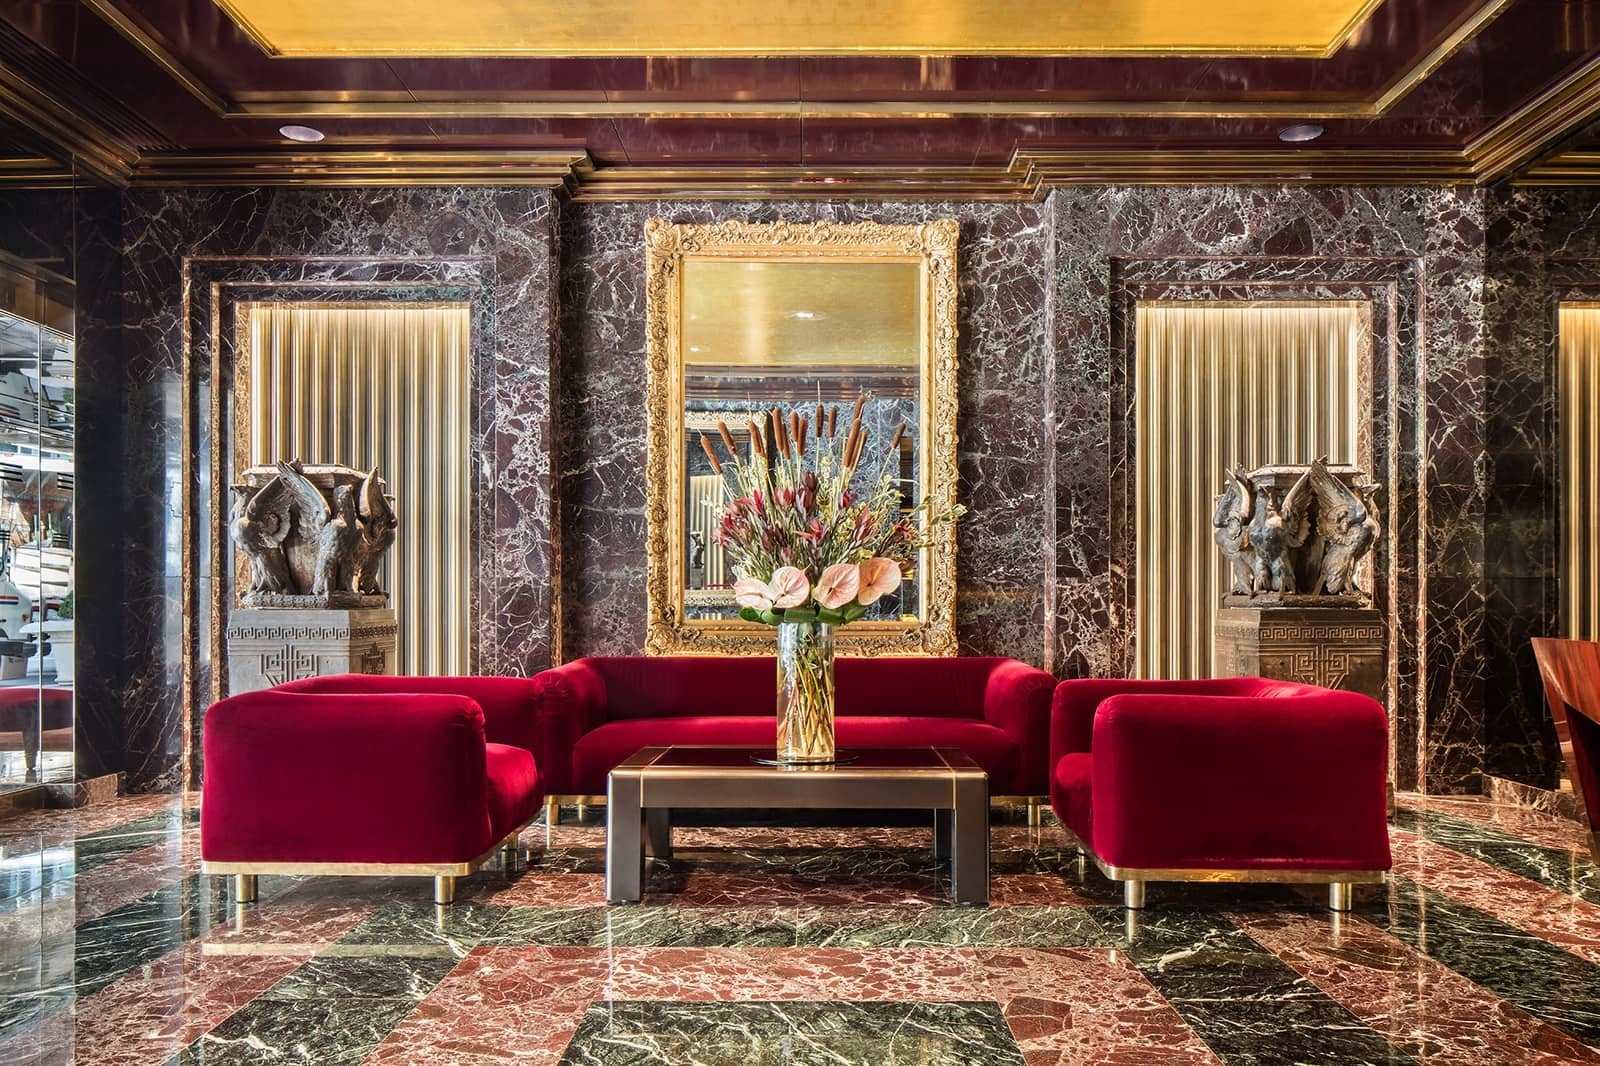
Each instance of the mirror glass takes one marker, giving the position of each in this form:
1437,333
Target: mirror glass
37,380
751,321
762,335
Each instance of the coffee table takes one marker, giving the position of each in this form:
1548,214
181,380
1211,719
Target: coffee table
642,791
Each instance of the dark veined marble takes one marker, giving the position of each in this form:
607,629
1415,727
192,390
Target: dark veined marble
781,1033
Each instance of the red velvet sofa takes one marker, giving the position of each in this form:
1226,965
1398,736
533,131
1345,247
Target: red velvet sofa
596,712
1240,779
354,774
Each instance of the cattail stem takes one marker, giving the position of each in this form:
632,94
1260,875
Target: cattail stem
716,464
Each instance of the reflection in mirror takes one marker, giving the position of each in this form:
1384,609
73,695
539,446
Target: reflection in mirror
789,321
36,518
761,336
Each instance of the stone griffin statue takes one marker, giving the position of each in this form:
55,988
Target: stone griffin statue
1296,533
314,535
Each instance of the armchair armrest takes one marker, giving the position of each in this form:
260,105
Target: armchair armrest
506,702
300,777
1249,781
1017,699
1076,700
569,700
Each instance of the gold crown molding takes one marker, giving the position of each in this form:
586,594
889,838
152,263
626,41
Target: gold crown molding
158,53
1269,166
1565,168
1521,136
388,106
37,173
799,183
101,155
509,167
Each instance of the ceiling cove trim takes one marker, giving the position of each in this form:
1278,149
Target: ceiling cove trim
405,105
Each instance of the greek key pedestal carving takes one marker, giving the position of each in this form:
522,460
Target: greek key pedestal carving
268,646
1335,647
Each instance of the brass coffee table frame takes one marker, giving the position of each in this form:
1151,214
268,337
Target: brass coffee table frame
642,791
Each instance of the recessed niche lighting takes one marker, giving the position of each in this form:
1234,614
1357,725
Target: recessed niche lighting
806,314
693,348
301,133
1301,131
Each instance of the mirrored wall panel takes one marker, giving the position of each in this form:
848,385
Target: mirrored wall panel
37,380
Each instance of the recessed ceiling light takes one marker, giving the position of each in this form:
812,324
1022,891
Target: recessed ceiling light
301,133
807,314
1303,131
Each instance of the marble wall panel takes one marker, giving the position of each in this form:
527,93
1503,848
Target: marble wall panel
1543,248
169,237
1002,559
1099,230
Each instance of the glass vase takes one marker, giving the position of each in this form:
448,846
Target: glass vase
805,692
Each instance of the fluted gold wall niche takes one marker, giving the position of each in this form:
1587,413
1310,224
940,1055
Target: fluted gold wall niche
383,385
1218,384
1578,406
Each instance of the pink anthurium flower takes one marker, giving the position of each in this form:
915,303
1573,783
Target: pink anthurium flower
837,585
789,587
879,577
748,592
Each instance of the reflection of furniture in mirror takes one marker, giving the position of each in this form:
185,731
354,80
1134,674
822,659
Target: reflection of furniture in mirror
748,318
37,401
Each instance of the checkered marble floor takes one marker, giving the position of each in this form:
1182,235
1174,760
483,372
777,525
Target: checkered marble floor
787,945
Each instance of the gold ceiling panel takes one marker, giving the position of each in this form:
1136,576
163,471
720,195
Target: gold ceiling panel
1314,28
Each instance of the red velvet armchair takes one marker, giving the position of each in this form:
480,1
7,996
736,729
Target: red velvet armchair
1233,779
603,710
352,774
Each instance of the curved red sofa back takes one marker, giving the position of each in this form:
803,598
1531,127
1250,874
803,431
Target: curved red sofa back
684,686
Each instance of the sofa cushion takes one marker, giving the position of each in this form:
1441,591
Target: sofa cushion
1071,798
513,787
601,749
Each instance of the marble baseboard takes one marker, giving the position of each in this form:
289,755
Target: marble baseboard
1562,802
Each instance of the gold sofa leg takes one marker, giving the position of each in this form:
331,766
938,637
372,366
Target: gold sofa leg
1340,895
1035,812
1133,895
444,889
244,888
552,811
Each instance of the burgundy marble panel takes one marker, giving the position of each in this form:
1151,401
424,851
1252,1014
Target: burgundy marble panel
504,237
1001,559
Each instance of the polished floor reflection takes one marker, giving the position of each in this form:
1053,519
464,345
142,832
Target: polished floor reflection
787,945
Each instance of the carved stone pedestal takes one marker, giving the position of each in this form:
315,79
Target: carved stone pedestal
1335,647
268,646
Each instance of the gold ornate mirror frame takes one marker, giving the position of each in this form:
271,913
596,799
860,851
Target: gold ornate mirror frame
669,246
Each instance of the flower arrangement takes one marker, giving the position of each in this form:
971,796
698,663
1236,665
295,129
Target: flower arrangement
806,544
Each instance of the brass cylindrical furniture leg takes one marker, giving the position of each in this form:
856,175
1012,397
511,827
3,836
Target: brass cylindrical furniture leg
244,888
1133,895
1035,812
444,890
1340,895
552,811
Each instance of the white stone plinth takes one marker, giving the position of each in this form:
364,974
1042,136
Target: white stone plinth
270,645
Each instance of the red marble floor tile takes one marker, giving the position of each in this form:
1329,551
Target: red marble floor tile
1538,827
1558,917
155,1011
104,888
1419,1005
1086,1005
535,889
499,1005
284,924
713,974
65,824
